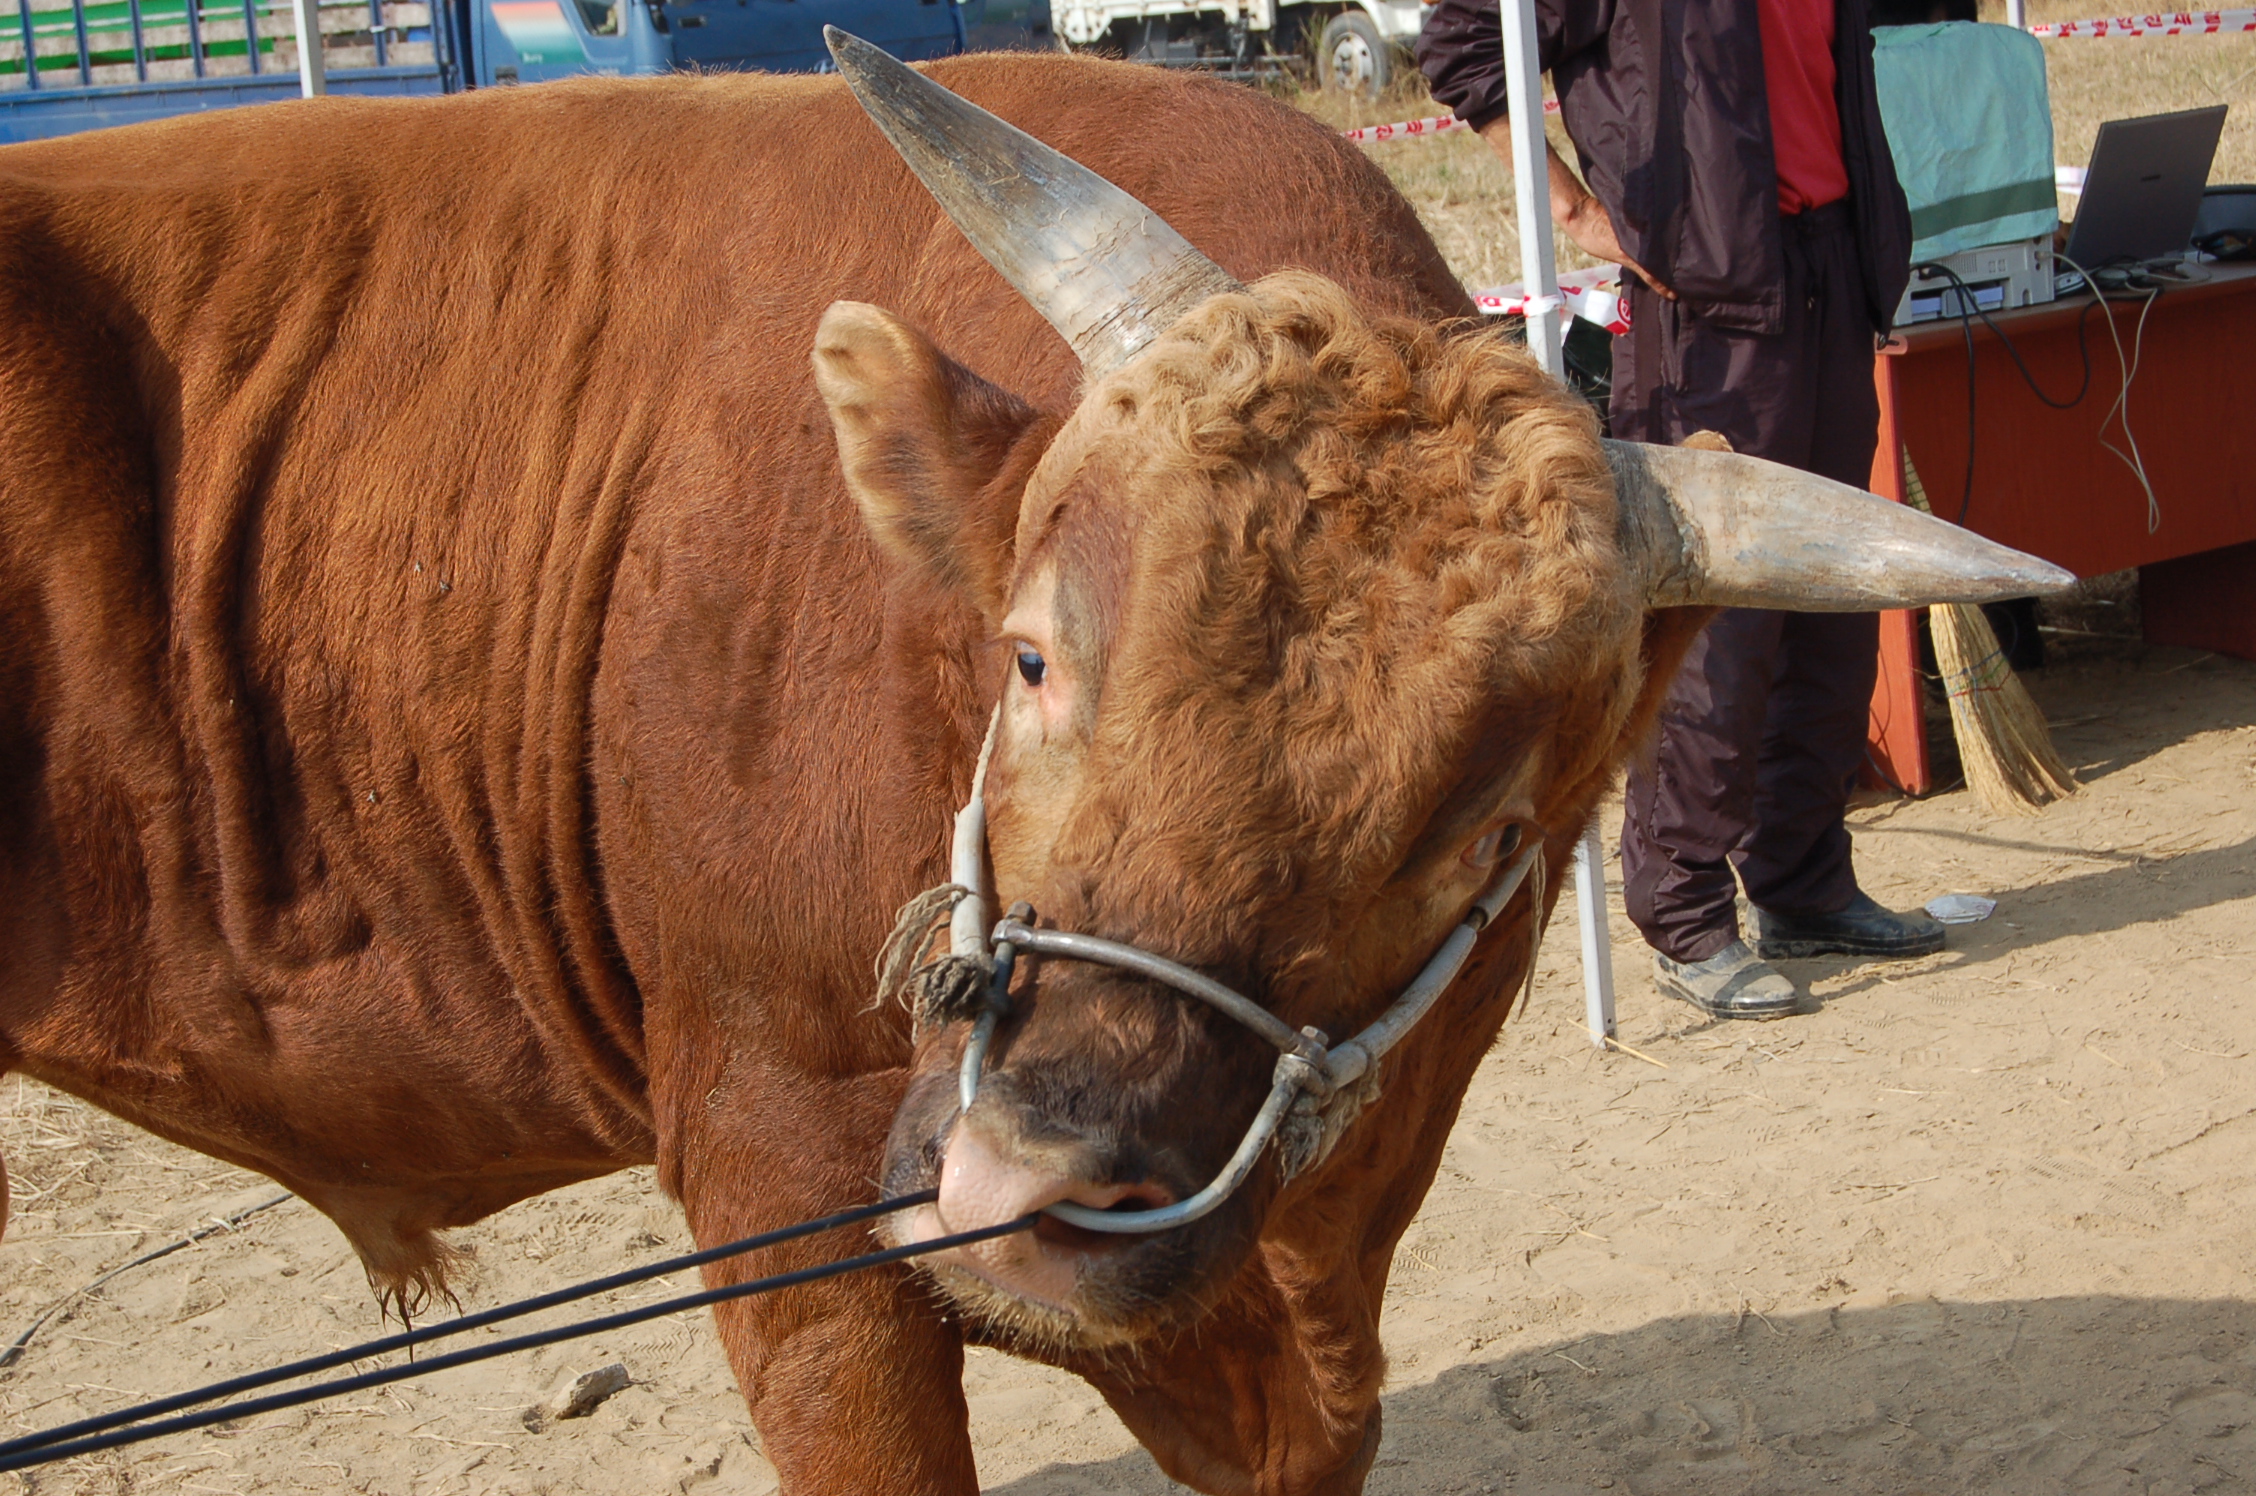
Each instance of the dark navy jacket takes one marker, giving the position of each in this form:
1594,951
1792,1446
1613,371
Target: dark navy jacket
1664,101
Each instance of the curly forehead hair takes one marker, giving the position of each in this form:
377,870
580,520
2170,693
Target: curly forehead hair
1367,545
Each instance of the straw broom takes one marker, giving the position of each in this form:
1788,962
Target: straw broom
2002,738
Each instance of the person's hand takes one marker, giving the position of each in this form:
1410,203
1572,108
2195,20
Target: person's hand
1573,208
1584,219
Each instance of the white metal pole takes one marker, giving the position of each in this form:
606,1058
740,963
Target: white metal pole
1539,268
2017,13
1539,278
313,74
1597,947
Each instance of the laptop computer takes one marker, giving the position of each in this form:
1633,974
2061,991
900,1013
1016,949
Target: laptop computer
2144,187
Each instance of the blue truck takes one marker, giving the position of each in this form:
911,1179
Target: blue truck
70,65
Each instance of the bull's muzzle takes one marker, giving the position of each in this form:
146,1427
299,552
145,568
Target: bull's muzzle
989,1176
1316,1089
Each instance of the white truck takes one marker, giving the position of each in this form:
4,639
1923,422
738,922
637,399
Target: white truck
1354,44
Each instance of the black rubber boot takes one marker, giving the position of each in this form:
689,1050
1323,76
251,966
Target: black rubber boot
1732,983
1862,929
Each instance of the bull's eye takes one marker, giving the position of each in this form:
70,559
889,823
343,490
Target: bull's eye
1031,666
1493,847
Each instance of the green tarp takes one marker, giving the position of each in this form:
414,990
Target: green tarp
1970,126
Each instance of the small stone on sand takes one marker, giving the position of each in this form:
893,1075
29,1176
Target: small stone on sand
577,1396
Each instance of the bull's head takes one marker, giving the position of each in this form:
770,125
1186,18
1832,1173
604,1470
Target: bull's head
1314,616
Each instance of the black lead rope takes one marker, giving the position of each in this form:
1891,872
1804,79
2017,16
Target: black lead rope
107,1430
409,1339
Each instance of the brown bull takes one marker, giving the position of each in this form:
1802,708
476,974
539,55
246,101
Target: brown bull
469,708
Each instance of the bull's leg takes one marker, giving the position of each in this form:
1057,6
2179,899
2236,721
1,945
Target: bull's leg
855,1383
855,1386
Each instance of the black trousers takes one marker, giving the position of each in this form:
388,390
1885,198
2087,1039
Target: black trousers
1763,732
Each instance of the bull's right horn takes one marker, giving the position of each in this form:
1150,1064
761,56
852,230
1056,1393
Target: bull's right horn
1724,530
1103,269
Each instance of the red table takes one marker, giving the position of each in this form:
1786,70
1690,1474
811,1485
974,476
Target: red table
2044,484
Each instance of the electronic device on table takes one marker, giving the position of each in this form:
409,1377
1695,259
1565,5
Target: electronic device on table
2143,190
2225,229
1995,278
1969,124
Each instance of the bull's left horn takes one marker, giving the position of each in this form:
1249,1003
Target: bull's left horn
1725,530
1102,268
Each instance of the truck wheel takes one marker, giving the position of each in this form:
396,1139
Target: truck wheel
1352,57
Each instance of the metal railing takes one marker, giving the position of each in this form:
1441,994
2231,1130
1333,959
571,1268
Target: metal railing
95,43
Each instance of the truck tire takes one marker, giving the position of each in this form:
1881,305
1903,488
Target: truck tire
1352,57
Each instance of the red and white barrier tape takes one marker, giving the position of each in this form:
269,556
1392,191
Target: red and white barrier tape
2173,23
1591,295
1419,129
1588,294
2170,23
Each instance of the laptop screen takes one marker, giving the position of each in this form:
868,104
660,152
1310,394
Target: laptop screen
2144,187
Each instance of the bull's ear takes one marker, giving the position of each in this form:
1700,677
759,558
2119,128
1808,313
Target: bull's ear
935,456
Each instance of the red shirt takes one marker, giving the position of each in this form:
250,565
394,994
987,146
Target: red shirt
1805,122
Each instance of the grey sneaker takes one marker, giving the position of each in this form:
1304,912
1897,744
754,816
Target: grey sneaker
1732,983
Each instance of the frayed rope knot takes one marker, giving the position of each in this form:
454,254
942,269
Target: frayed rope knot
1322,1113
940,990
950,989
1319,1116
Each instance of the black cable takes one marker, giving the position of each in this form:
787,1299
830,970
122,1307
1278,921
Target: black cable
1966,326
49,1444
1966,329
2083,349
1968,309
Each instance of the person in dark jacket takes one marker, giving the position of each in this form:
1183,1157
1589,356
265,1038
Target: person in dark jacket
1736,167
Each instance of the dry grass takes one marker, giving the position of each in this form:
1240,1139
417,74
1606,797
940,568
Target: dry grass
1464,194
2096,80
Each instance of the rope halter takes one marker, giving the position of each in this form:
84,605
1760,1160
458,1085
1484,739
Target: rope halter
1317,1089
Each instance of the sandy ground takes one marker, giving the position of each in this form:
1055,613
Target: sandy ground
1981,1222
